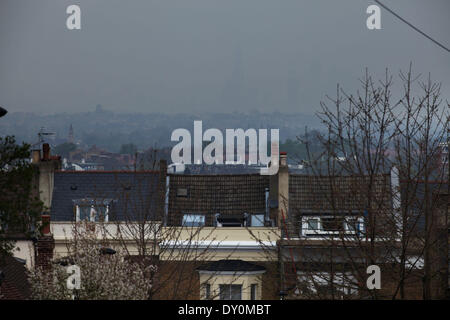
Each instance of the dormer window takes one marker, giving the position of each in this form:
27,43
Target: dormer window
257,220
231,220
331,225
193,220
92,210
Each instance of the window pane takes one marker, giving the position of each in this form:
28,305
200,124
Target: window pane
193,220
100,213
85,212
253,292
257,220
333,224
224,292
325,285
313,224
182,192
236,291
230,292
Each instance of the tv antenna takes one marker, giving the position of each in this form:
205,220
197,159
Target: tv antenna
43,135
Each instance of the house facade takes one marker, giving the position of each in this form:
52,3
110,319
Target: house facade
243,236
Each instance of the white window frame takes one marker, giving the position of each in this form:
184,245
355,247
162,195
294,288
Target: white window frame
207,291
231,285
307,231
255,216
202,219
92,213
343,281
254,288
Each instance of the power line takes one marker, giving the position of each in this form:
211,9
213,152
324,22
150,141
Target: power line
417,29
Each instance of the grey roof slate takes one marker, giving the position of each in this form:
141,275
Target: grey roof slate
133,194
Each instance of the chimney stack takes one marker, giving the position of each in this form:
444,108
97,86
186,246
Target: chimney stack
45,245
44,176
283,159
36,156
283,189
45,225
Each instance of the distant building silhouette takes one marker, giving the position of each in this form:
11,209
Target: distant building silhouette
70,138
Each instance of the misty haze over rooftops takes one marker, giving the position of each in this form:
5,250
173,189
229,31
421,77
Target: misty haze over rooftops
201,56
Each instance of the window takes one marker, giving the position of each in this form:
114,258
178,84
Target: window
93,213
92,209
84,213
182,192
313,224
332,225
253,289
207,291
193,220
257,220
230,220
325,285
230,291
355,225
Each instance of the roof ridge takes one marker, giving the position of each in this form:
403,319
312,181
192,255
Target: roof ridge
107,171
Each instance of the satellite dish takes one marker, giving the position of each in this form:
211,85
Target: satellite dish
2,112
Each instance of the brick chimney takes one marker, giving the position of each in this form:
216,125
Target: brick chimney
45,170
45,152
283,188
279,191
45,245
45,228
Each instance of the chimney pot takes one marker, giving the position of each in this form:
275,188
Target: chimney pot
283,159
36,156
45,224
46,152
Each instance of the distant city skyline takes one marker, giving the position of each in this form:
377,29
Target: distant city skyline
108,129
197,56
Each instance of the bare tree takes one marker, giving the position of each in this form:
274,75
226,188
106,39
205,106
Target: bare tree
380,164
143,231
105,274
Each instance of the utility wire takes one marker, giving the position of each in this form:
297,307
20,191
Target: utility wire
417,29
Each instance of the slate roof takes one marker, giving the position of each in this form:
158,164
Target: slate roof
13,278
231,265
132,193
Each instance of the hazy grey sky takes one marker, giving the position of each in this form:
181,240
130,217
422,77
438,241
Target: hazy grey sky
207,55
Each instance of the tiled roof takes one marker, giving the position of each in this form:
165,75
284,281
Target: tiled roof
211,194
346,193
14,284
231,265
133,193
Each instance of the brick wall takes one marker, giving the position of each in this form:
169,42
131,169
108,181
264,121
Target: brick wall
44,251
180,280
